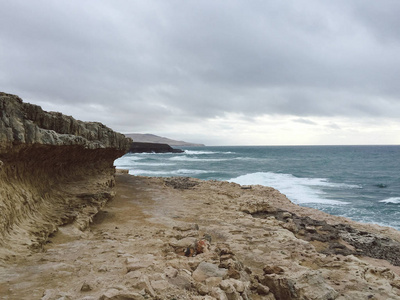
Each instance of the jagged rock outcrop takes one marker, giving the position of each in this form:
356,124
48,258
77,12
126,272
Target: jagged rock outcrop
137,147
53,170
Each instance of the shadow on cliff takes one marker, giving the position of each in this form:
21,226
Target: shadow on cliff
54,170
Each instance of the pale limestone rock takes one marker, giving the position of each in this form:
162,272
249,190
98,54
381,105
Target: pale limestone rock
227,286
86,287
186,227
54,294
202,289
116,294
103,269
219,294
239,286
184,243
159,285
186,271
229,289
144,283
273,270
133,274
137,265
396,283
206,270
182,281
213,281
262,289
206,297
170,272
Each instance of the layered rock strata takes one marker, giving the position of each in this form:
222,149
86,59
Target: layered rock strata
53,170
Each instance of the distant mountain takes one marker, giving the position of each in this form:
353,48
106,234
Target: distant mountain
151,138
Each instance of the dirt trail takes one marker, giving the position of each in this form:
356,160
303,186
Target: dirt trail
97,256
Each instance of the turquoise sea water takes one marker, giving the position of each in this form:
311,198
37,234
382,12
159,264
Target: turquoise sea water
358,182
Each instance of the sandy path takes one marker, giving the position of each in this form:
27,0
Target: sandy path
97,257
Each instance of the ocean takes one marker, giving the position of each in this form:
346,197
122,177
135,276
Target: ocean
358,182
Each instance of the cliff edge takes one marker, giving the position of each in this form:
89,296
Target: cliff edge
54,170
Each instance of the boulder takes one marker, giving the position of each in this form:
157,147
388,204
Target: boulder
206,270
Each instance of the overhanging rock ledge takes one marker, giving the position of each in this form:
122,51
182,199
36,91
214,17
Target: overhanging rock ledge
54,170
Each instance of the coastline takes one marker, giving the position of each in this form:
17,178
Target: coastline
262,247
360,183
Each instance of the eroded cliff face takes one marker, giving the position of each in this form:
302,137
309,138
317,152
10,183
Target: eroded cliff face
54,170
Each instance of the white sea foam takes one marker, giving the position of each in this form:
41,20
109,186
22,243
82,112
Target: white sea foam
189,172
180,172
127,159
151,164
194,152
299,190
125,162
186,158
395,200
249,158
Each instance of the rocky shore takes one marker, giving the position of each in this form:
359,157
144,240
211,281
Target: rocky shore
163,238
183,238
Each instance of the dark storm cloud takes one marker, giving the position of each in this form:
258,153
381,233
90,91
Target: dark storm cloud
180,61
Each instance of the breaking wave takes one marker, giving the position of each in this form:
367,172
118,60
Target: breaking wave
299,190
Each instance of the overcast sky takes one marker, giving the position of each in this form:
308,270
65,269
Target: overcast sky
227,72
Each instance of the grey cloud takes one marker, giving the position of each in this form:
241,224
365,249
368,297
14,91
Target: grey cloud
305,121
183,61
333,126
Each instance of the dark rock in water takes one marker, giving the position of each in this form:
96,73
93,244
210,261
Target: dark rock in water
381,185
53,170
137,147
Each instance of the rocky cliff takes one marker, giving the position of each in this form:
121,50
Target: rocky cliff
54,170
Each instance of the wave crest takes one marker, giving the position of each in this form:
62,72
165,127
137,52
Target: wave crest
393,200
299,190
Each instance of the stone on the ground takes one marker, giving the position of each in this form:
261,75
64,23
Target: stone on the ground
206,270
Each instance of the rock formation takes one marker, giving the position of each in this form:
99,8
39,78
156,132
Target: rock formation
53,170
152,148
